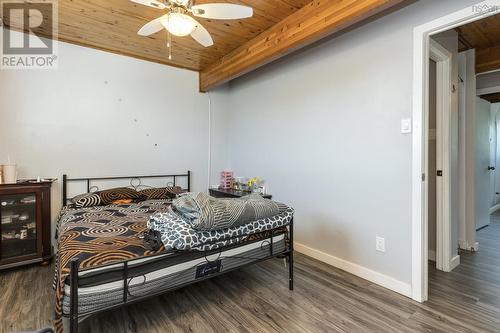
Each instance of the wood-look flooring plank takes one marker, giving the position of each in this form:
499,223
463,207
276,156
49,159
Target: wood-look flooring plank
257,299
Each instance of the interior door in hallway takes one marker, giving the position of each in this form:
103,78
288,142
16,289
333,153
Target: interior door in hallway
483,163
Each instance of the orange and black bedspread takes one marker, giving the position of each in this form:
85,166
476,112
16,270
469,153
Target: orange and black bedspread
104,235
98,236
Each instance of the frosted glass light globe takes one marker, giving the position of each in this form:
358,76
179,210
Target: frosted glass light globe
178,24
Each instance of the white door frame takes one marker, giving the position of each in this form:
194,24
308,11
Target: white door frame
442,57
421,49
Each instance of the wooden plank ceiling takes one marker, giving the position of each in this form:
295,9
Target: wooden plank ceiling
112,25
277,28
484,36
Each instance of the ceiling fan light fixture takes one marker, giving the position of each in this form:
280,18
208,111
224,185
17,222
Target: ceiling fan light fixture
181,2
178,24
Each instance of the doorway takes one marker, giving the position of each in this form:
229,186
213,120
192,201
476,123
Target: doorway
421,147
439,168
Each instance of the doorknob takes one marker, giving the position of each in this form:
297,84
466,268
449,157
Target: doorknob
491,168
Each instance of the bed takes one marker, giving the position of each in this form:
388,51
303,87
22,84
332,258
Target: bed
103,262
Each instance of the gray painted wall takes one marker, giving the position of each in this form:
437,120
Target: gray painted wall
323,127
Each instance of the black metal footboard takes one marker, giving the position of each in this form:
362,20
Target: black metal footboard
74,278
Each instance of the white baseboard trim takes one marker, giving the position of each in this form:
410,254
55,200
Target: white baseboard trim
494,208
355,269
454,262
432,255
464,245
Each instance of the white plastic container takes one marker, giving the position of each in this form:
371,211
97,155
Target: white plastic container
10,174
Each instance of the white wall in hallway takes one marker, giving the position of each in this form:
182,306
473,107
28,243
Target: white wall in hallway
483,181
495,124
489,81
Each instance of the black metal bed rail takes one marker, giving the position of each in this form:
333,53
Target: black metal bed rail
89,180
179,253
74,314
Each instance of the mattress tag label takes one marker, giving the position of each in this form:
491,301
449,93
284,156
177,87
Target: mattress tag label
211,267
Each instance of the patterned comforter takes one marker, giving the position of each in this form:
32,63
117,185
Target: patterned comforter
178,234
101,235
207,213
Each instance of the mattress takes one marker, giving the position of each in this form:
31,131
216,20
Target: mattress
102,287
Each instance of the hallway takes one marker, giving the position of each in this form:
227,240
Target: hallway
473,288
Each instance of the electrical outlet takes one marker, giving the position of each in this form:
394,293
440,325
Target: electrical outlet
380,244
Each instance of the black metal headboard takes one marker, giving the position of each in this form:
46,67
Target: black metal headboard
66,180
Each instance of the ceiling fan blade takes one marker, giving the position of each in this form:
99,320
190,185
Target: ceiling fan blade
151,3
151,27
222,11
201,35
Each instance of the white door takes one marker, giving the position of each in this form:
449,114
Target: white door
483,163
496,115
493,157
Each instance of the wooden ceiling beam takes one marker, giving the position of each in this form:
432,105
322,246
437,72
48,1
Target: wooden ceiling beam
488,59
313,22
492,98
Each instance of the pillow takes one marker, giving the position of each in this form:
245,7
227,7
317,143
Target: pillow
162,193
119,193
87,200
122,201
106,197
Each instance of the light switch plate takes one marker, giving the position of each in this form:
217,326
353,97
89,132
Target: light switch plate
405,125
380,244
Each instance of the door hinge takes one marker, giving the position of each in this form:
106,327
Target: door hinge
439,173
423,177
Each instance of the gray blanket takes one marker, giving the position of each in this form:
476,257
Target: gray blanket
204,212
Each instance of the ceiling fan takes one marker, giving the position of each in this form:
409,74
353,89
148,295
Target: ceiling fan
178,22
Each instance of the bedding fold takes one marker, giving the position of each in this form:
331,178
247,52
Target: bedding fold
206,213
178,234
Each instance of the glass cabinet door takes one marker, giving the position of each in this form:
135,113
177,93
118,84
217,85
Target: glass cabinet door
18,214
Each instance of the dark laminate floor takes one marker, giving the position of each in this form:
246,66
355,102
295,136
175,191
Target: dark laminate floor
256,299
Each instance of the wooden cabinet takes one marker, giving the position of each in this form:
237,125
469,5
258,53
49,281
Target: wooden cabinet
25,236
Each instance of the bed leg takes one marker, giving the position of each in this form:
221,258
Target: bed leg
290,257
73,305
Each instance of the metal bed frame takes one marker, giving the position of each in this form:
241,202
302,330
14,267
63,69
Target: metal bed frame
88,181
74,315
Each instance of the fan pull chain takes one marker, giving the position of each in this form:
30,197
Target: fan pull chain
169,41
169,45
